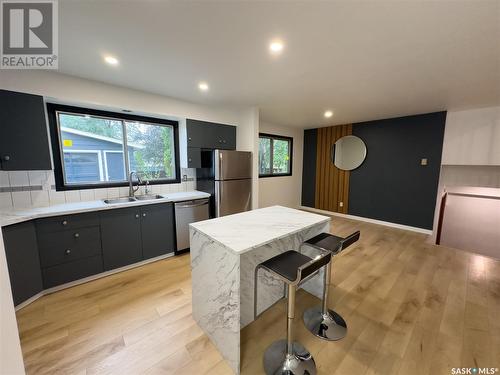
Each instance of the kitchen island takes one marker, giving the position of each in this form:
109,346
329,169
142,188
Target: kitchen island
224,254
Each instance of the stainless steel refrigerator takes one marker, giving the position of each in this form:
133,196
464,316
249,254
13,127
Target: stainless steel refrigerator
227,176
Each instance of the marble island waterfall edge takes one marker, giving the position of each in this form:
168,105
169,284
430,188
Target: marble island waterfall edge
223,285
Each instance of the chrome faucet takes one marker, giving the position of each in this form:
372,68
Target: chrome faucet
131,190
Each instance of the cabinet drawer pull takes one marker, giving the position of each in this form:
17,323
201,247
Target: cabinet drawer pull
68,251
64,222
143,215
77,235
189,138
6,158
137,216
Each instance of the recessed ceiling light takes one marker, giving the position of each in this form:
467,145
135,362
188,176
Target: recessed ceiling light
111,60
276,46
203,86
328,114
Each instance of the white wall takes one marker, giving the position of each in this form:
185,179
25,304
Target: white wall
472,137
247,139
286,190
471,152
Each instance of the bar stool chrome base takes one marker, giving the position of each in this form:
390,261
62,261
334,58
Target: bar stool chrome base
330,326
277,362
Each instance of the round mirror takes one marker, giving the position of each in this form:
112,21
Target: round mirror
348,152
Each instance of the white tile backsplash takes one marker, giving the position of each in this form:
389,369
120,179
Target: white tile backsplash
72,196
100,193
56,197
4,179
37,178
19,178
113,192
40,198
21,199
45,194
87,195
5,201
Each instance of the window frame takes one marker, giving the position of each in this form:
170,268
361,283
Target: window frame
57,150
290,153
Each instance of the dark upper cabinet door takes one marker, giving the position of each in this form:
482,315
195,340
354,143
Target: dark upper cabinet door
194,157
121,237
204,134
24,143
157,222
227,137
23,261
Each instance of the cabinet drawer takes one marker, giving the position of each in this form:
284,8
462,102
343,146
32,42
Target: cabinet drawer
58,223
65,273
68,245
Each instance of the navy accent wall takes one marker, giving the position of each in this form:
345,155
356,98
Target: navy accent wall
391,185
309,167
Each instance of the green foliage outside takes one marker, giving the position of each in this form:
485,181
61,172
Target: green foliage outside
154,160
280,157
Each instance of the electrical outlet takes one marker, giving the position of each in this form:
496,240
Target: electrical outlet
341,204
423,161
184,177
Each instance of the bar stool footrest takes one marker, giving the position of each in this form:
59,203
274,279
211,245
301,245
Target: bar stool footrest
329,326
277,362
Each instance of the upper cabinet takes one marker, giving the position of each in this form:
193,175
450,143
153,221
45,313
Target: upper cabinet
472,137
24,143
196,135
203,134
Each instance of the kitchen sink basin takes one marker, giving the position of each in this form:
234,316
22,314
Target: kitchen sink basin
146,197
119,200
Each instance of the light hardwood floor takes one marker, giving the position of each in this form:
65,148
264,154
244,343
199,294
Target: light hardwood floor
411,308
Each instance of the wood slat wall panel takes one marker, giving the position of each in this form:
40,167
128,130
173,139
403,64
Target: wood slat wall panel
332,184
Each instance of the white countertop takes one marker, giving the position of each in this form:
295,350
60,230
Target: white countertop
17,216
244,231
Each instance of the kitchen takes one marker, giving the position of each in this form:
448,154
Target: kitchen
243,199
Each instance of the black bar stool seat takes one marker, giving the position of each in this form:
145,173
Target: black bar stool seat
286,357
320,320
286,264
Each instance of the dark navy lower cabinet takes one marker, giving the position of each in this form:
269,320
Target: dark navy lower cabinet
22,260
121,237
67,272
45,253
157,228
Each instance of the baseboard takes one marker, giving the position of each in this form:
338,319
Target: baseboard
368,220
87,279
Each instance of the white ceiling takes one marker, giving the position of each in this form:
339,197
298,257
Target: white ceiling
364,60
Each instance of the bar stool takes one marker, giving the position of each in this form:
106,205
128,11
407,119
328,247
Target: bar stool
321,321
286,356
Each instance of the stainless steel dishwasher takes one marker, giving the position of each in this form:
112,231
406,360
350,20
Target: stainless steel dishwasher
185,213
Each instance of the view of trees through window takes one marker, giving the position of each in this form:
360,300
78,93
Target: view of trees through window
94,149
274,155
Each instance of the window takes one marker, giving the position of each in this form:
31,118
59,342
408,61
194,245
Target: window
99,149
275,155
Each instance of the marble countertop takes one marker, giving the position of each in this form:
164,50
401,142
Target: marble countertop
247,230
17,216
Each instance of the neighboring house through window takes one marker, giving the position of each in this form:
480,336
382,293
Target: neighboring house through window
275,155
95,148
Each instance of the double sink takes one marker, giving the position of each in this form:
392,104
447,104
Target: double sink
144,197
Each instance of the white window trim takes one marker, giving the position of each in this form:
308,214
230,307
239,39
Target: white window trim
106,162
99,158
